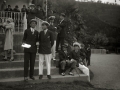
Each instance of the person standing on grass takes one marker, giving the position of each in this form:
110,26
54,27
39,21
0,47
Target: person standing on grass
88,54
54,30
46,42
30,37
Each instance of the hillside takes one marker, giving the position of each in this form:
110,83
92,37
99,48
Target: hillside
109,14
97,17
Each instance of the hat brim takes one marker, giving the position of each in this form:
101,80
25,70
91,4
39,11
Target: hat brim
33,21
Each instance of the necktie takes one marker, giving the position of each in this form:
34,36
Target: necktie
44,32
32,31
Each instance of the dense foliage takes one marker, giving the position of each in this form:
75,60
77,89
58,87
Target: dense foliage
86,20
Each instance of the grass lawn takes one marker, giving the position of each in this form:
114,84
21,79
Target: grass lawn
75,85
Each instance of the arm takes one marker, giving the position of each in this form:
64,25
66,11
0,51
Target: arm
25,36
51,39
61,56
39,37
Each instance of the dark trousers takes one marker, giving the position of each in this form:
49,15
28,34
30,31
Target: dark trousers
29,59
88,60
60,41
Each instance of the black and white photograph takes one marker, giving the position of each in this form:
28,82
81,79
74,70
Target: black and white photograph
59,44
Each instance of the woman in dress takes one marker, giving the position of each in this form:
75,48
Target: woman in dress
8,46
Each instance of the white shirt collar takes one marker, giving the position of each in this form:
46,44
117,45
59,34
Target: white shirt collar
45,31
32,29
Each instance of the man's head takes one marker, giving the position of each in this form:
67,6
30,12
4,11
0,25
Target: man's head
62,16
32,6
24,6
76,46
51,18
4,1
45,25
16,6
64,47
39,7
33,23
9,6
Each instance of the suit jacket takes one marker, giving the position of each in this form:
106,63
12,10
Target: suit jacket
53,29
77,55
46,42
63,56
62,29
31,39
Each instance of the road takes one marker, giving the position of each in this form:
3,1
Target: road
106,69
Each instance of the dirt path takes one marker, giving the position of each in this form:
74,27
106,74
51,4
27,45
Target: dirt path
106,69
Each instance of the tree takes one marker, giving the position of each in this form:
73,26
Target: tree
100,40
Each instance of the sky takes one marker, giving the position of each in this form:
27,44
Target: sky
104,1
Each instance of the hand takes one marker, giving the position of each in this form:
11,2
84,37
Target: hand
72,59
67,60
23,43
37,43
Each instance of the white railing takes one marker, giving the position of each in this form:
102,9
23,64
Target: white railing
19,19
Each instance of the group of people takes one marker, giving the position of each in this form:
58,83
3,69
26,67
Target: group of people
31,11
48,38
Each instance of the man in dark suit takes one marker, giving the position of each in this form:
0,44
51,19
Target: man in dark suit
61,31
30,37
46,42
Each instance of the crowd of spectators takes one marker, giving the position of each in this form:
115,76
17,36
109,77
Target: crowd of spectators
31,10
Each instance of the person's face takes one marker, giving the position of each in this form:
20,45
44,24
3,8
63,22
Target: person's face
24,6
39,7
9,6
52,21
8,21
44,27
76,48
64,49
61,17
32,7
33,24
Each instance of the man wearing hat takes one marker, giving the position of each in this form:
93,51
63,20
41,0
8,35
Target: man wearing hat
32,12
30,37
76,54
46,42
65,61
4,5
62,31
54,31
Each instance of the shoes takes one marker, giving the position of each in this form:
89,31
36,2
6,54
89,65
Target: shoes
40,76
25,78
32,78
12,59
48,76
70,73
63,74
5,59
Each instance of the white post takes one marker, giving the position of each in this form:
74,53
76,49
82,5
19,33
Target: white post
46,10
